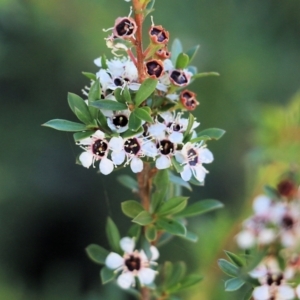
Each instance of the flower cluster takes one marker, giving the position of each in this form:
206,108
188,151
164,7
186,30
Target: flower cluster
133,264
275,227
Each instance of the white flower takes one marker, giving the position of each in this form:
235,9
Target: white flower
132,264
166,149
273,285
96,148
192,156
118,121
131,148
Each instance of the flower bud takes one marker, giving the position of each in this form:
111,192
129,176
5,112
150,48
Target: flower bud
287,188
188,99
163,53
158,35
124,27
154,68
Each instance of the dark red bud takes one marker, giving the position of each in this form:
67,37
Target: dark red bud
159,35
188,99
124,27
154,68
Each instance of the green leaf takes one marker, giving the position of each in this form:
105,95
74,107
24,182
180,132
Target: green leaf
171,226
182,61
89,75
129,133
82,135
192,52
126,95
113,235
103,122
145,90
80,109
271,192
151,233
128,182
143,114
131,208
237,260
108,105
118,93
172,206
135,231
178,167
186,283
176,49
143,218
228,268
200,207
160,181
107,275
200,139
103,62
213,133
95,91
248,294
134,122
65,125
190,236
96,253
175,272
179,181
190,125
233,284
205,74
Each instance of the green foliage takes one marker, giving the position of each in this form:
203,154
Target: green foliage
176,49
200,207
64,125
192,52
95,91
182,61
143,114
97,253
233,284
172,206
107,275
234,258
212,133
108,105
228,268
134,122
160,182
128,182
113,235
143,218
131,208
171,226
145,91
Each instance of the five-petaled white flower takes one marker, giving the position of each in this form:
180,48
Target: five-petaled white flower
96,148
192,156
132,264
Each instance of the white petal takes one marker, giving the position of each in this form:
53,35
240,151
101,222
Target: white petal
116,144
288,239
86,159
176,137
245,239
146,275
134,86
114,261
126,280
179,157
118,157
154,252
127,244
298,290
106,166
97,62
162,162
205,156
199,173
261,293
266,236
172,97
259,272
286,292
136,165
261,204
149,148
186,174
157,130
99,134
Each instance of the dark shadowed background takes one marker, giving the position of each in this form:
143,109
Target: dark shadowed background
51,208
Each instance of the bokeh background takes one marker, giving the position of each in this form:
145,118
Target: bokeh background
51,208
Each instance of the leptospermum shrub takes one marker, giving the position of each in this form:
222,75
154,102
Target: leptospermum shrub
269,269
136,112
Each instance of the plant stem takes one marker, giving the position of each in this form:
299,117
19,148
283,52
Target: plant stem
139,18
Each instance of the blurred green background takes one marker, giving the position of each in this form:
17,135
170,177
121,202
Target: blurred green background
51,209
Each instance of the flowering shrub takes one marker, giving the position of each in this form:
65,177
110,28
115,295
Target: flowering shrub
136,111
270,237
